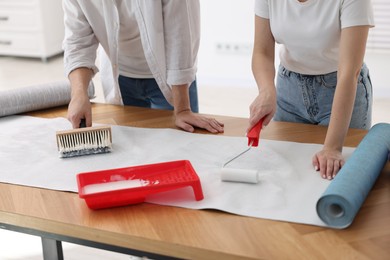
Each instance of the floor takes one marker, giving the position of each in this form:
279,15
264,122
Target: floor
22,72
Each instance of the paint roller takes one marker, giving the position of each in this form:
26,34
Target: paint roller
243,175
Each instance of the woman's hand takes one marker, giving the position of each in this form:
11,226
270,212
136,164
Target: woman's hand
263,107
328,162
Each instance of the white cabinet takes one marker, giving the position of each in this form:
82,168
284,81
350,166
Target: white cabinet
31,28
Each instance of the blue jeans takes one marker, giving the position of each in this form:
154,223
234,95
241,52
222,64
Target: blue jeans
308,99
147,93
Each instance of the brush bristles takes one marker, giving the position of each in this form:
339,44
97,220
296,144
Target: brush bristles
84,141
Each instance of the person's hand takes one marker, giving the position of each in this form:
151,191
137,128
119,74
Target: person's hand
79,108
263,107
328,162
187,120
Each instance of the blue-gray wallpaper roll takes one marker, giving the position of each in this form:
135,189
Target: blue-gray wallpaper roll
341,201
37,97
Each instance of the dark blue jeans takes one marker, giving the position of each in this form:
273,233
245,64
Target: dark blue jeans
146,93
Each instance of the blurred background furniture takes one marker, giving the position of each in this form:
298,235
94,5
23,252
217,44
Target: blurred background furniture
31,28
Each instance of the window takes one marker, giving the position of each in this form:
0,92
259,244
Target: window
379,36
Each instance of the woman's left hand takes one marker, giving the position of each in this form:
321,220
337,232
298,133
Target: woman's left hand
328,162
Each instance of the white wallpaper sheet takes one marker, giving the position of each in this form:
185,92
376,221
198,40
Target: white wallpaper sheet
288,189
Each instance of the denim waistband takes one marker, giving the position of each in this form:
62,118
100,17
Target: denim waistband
363,71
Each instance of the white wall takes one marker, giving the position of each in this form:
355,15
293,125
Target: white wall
379,65
226,48
226,23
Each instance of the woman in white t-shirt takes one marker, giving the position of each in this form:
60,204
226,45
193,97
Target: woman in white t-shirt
322,78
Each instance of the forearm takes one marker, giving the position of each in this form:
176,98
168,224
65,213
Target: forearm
80,107
181,98
263,57
79,81
340,119
263,69
352,48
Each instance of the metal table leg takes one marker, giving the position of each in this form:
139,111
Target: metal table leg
52,249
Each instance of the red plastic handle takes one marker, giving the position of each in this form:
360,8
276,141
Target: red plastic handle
254,134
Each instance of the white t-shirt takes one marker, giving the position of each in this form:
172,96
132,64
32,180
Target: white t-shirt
131,58
310,31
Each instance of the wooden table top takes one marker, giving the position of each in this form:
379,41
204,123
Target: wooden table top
201,234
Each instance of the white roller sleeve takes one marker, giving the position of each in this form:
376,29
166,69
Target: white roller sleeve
239,175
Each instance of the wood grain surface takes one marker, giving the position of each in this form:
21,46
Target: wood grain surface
201,234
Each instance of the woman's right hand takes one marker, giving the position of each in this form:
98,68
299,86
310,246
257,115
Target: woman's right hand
263,107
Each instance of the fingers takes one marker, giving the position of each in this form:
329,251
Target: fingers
211,125
77,122
328,164
263,107
188,121
253,121
74,120
78,109
186,127
267,120
332,168
88,118
77,119
316,163
216,125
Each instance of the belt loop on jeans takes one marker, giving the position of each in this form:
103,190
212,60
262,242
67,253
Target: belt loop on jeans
364,70
285,71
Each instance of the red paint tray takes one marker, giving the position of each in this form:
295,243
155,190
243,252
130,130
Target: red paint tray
130,185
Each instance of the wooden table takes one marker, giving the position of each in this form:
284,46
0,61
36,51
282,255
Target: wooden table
158,231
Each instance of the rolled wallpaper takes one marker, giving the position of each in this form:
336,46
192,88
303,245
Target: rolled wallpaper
341,201
37,97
